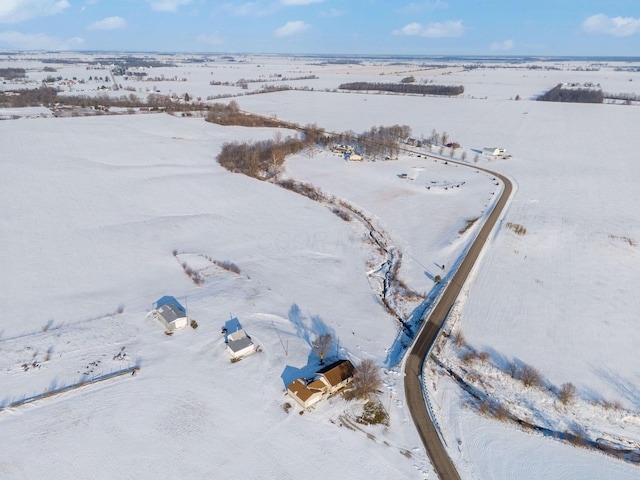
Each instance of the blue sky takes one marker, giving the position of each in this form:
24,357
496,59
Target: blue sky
418,27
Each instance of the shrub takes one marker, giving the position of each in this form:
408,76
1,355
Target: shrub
373,414
530,376
228,266
437,279
342,214
459,340
567,393
193,324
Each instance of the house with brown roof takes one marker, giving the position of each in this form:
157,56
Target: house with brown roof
337,375
328,380
305,394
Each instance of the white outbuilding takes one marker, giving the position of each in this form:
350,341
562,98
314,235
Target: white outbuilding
239,344
494,151
172,316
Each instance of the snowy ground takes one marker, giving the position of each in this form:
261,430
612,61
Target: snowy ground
94,207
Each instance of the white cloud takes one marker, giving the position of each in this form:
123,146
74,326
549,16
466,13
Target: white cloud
502,46
109,23
14,11
332,13
417,7
601,24
291,28
38,41
167,5
433,30
210,39
300,2
254,9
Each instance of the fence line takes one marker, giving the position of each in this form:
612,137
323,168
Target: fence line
71,387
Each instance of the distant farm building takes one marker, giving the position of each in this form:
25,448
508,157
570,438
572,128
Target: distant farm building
328,380
353,157
342,149
239,344
171,314
494,151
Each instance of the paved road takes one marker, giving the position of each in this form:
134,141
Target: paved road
429,333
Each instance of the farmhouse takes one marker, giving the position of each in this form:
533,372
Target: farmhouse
342,149
239,344
171,314
328,380
337,375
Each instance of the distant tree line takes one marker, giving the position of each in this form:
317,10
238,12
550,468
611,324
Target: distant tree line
29,98
573,95
12,73
405,87
627,97
48,97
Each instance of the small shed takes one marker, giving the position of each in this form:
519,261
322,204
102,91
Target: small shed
171,314
353,157
239,344
494,151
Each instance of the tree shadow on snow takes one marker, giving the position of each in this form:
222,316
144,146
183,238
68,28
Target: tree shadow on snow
308,329
626,388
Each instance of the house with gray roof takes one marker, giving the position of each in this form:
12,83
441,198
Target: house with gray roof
171,314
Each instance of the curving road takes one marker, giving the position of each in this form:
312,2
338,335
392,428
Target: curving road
429,333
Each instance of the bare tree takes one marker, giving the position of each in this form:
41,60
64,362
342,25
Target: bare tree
321,345
367,379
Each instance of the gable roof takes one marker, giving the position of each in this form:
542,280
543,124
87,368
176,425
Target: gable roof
170,312
168,299
300,390
239,345
337,372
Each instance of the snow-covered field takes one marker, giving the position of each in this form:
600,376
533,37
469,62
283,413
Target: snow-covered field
93,209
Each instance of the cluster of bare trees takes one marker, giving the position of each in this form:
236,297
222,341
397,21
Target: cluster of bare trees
405,87
573,95
230,114
261,159
29,98
12,73
49,97
382,142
